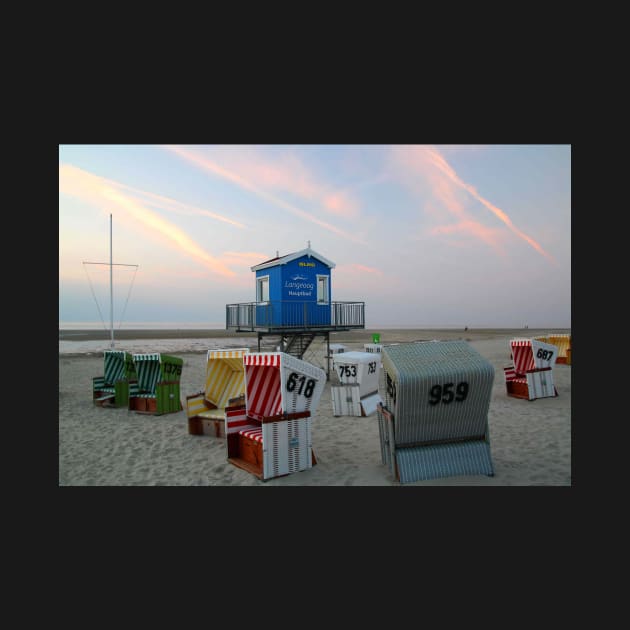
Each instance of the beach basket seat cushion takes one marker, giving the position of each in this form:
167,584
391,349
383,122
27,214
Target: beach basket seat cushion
253,434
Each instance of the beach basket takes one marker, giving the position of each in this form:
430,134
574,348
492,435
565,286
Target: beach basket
358,368
358,374
119,374
158,389
434,422
562,343
224,385
270,435
337,348
278,383
531,375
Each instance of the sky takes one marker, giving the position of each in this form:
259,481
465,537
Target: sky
434,236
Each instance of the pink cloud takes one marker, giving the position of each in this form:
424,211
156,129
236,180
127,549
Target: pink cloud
245,259
341,204
366,269
286,175
447,187
106,194
490,236
444,167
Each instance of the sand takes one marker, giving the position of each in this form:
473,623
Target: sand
530,441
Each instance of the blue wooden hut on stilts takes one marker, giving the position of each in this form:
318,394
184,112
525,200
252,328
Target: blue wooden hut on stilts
293,302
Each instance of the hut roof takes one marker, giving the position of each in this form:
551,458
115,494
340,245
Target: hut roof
283,260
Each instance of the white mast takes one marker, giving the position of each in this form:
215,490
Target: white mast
111,282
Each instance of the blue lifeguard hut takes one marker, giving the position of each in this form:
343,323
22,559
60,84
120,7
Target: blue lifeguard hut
294,302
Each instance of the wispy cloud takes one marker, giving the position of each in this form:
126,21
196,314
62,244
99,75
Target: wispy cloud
78,182
245,259
362,269
258,177
489,236
167,203
103,193
446,184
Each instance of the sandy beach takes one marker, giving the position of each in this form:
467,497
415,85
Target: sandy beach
530,441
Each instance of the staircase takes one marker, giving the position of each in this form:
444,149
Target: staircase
296,345
299,346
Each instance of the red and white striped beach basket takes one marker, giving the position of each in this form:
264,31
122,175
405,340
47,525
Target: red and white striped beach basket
270,435
277,383
531,375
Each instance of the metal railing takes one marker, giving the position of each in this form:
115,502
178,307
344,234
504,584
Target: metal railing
280,315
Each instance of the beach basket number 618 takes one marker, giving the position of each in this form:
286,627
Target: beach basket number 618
294,379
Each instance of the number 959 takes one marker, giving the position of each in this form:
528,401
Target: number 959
444,393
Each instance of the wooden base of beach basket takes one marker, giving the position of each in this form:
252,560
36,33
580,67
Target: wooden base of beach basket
517,390
248,454
206,426
140,404
104,400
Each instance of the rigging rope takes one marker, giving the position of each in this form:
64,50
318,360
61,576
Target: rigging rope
128,294
94,296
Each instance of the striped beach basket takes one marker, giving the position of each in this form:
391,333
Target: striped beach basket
278,383
357,394
531,375
112,389
225,384
157,390
270,435
434,422
563,344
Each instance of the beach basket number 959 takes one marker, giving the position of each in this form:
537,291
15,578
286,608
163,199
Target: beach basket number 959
444,393
306,386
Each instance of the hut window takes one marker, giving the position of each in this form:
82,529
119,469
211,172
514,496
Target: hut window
322,289
262,289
